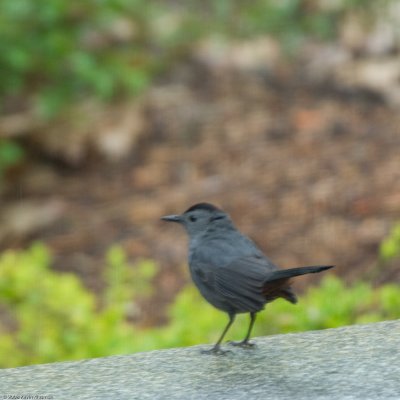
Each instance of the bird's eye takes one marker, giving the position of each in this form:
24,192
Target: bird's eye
192,218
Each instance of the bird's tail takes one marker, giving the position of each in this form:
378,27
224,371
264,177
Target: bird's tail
289,273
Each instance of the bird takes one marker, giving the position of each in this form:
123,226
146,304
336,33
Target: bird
229,269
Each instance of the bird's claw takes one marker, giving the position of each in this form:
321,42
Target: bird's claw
244,344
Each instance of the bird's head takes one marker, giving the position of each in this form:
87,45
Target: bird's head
199,218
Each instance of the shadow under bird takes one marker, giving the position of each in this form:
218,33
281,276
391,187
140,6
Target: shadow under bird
230,271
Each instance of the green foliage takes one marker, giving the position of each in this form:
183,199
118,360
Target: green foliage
10,154
58,51
289,20
47,316
62,50
52,316
390,247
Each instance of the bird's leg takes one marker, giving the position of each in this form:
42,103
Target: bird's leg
217,347
245,343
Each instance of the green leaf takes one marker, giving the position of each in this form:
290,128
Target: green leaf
10,154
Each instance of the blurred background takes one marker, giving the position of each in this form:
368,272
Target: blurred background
116,112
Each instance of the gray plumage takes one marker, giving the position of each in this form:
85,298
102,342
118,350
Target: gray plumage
228,268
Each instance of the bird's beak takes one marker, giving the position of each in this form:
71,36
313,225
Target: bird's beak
172,218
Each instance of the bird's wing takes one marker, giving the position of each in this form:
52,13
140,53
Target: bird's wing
241,282
236,287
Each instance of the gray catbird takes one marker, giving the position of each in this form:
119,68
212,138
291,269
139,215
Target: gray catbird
230,271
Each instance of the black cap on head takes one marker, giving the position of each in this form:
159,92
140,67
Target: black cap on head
202,206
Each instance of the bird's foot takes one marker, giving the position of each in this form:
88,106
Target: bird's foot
244,344
216,350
